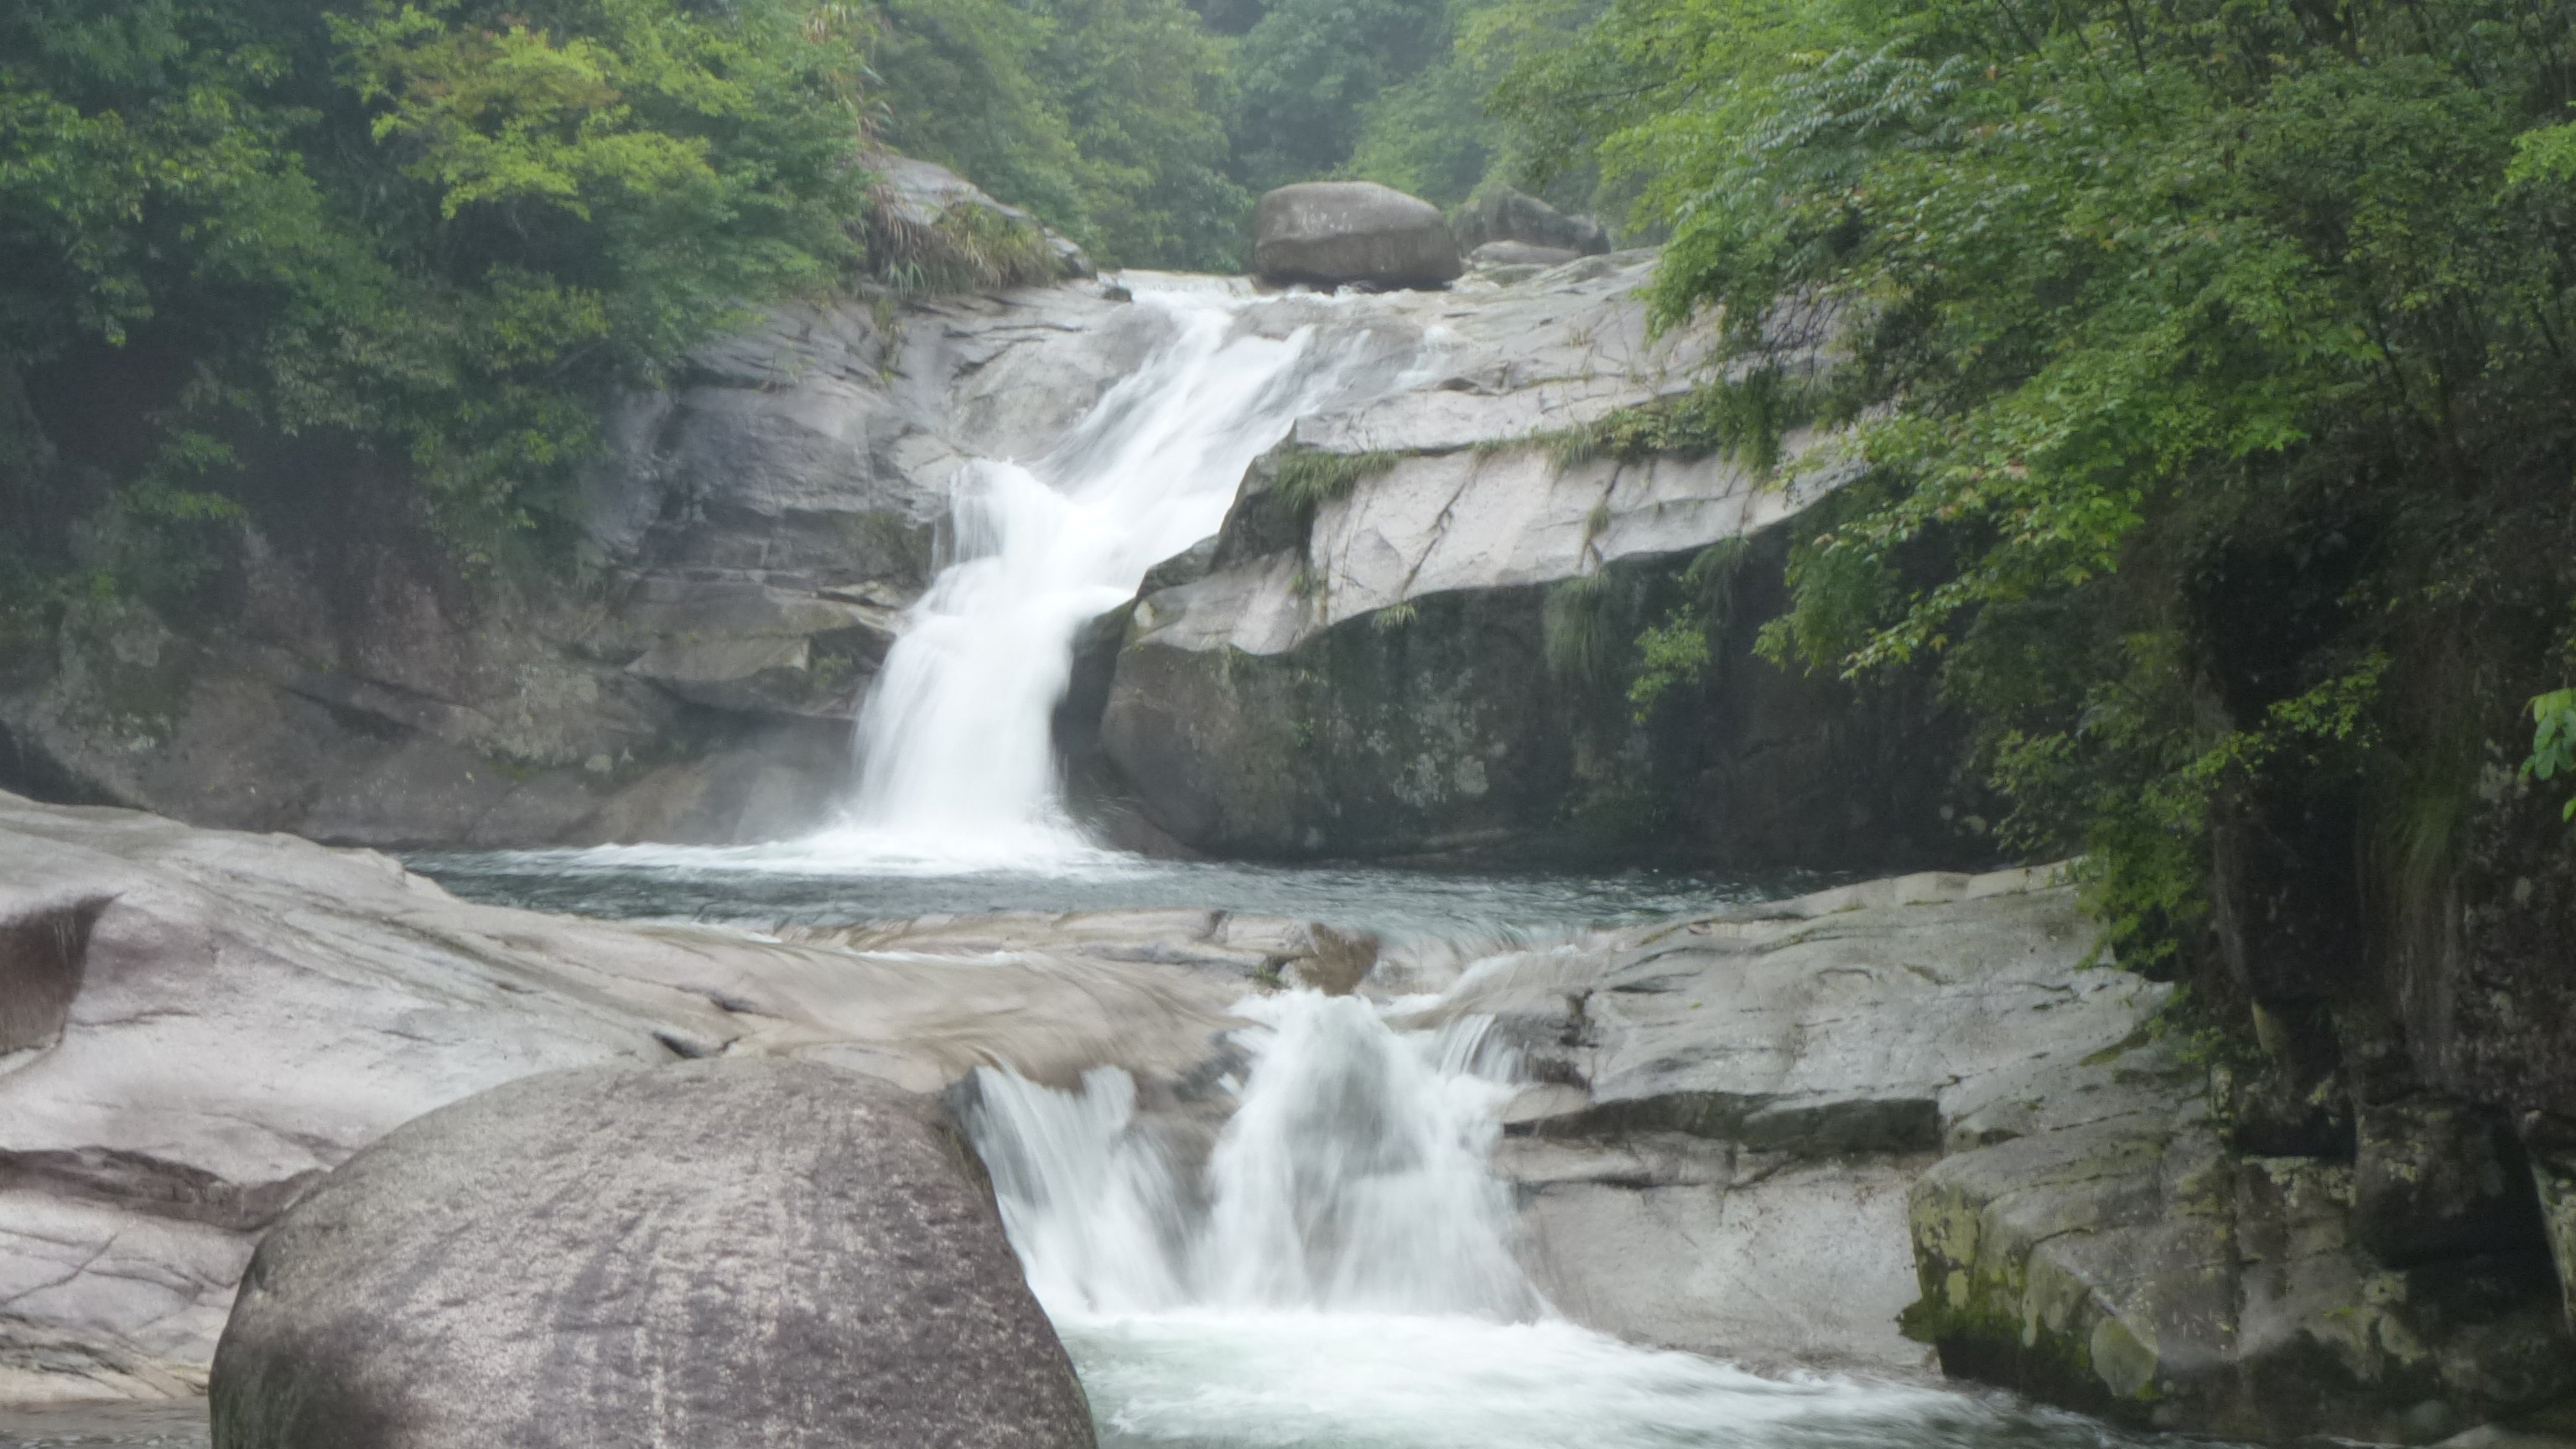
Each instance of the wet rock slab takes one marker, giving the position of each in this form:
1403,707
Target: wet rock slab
1734,1110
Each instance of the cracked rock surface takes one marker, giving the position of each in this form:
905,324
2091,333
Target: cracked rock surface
1732,1111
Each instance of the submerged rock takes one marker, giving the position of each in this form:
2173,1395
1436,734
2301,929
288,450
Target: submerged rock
711,1253
1341,233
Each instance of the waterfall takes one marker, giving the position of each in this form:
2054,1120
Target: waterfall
1351,1178
1339,1275
956,757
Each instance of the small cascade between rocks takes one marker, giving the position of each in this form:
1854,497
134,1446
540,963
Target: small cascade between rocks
1340,1271
955,750
1351,1178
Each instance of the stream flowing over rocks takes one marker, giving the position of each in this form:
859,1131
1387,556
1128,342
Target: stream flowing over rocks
1772,1133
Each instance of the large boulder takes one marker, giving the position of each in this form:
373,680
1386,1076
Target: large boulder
1502,214
196,1026
1343,233
926,211
720,1253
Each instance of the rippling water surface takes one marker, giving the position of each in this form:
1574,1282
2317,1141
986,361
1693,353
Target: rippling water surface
802,883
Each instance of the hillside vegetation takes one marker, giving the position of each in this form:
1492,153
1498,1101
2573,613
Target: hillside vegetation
2208,360
2210,366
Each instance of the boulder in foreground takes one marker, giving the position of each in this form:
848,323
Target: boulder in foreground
1346,233
725,1254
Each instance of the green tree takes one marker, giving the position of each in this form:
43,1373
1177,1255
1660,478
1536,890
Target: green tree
438,230
1307,73
2208,364
1102,117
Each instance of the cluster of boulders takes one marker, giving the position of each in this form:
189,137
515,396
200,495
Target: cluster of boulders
1362,234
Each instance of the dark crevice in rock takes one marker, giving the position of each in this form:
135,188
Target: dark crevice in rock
42,956
142,1183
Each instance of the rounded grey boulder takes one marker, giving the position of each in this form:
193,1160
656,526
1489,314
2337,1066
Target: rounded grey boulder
1343,233
1501,214
722,1254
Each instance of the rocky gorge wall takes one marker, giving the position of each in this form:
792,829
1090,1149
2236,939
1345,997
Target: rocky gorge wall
1431,651
746,553
1379,673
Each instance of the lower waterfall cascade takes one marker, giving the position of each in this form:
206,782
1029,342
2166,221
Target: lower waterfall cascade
1341,1271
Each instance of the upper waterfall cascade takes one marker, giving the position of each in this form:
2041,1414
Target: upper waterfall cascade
955,749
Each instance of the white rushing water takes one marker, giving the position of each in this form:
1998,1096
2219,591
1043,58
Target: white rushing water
1338,1272
956,756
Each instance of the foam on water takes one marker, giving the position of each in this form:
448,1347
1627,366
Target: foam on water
1340,1272
1411,1381
955,747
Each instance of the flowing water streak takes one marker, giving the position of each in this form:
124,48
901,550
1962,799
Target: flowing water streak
1351,1178
1339,1274
956,752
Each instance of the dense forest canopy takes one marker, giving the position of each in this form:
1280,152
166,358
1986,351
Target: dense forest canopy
2207,361
2210,367
441,230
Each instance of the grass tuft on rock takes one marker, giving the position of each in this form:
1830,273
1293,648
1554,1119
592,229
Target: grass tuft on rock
1308,480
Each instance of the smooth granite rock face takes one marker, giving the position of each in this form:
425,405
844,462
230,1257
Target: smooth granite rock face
1732,1117
1339,233
718,1253
202,1024
1728,1114
1437,659
748,543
